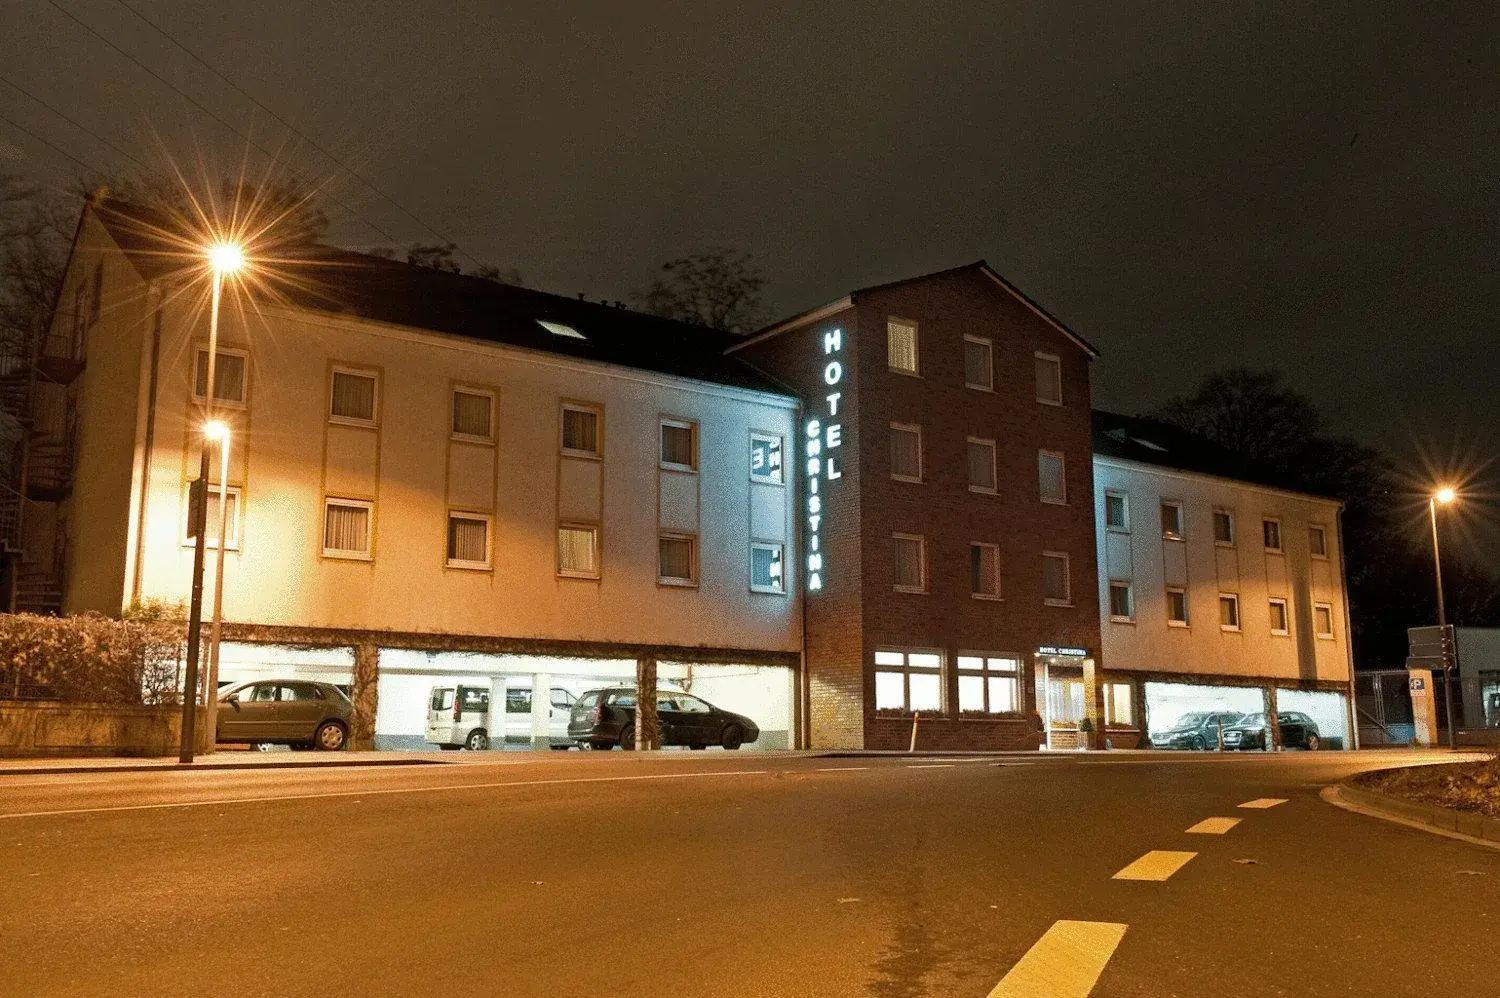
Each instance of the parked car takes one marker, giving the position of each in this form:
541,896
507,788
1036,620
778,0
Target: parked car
292,712
1196,730
1297,731
459,717
605,718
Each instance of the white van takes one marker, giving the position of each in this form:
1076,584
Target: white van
459,717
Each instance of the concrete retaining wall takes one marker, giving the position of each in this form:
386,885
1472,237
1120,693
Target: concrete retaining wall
42,729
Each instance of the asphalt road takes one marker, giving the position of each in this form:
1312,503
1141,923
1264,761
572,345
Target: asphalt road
737,874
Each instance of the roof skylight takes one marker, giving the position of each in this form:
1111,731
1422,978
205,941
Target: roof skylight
558,329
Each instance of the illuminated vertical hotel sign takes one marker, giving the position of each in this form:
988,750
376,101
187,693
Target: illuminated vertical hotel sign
824,438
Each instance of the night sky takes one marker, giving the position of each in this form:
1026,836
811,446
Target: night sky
1305,186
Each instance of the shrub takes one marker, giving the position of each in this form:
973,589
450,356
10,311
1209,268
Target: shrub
89,658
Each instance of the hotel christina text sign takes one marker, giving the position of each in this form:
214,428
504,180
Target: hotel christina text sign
824,438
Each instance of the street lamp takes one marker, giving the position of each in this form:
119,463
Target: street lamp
224,259
1443,496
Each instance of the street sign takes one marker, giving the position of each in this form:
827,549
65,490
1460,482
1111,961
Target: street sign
1435,643
197,501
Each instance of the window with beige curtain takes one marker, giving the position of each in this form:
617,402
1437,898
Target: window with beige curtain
346,528
577,550
580,430
471,414
901,345
229,377
353,396
678,561
468,540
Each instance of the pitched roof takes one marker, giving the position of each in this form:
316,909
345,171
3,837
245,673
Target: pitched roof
1149,441
326,279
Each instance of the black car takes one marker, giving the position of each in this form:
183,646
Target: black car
1197,730
1297,731
605,718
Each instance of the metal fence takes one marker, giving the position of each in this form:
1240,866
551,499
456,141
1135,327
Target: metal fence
1383,702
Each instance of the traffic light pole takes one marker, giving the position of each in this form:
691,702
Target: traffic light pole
197,517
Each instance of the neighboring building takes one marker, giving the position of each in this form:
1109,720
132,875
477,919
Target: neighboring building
433,478
1219,590
1477,650
947,519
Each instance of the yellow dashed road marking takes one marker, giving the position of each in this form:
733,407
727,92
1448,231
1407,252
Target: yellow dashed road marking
1065,963
1213,826
1261,803
1158,864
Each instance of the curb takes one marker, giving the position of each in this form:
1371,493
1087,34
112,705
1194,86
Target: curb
1445,819
178,767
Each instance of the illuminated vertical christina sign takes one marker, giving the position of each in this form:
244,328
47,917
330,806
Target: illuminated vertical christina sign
823,439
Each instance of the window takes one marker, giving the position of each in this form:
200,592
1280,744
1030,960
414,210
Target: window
765,459
346,528
1051,469
352,398
981,465
1278,616
468,540
229,375
211,527
1323,620
910,563
1171,521
561,329
1117,705
906,452
580,430
1117,512
1224,528
473,414
677,559
1317,541
909,681
984,571
765,568
1177,607
578,551
1229,612
300,691
987,684
1056,587
1271,529
901,345
1048,379
1121,605
979,365
679,445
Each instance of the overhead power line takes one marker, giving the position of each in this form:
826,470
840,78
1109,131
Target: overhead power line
81,127
51,145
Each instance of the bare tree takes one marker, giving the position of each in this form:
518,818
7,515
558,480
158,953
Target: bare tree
718,288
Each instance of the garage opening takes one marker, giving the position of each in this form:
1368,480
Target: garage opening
240,662
1198,718
1318,718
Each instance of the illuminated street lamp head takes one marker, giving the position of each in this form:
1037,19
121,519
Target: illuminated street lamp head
226,258
216,430
1445,495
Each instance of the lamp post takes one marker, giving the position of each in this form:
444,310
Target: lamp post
1442,496
217,430
224,258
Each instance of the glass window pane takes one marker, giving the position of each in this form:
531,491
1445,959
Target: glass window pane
1229,611
978,371
908,562
1114,512
926,691
901,338
765,566
1048,380
575,550
471,414
1054,577
982,465
984,570
346,528
353,396
1317,541
1050,474
971,693
677,445
906,453
1002,694
229,376
676,558
1177,605
1119,600
1272,531
1171,519
765,458
1223,527
580,429
924,660
890,658
468,539
973,662
890,691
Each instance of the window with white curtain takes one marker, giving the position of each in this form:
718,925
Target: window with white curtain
909,681
580,430
578,550
468,540
677,559
352,398
901,345
473,414
988,683
1117,704
346,528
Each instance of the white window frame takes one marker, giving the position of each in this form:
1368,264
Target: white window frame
368,554
597,549
1327,635
1124,498
999,592
487,393
1280,537
916,346
1238,624
489,540
778,588
598,412
233,524
905,669
1067,599
1181,532
1286,616
357,372
1225,511
994,487
240,403
1129,587
989,353
1322,531
921,457
1057,362
1187,613
779,478
921,587
691,582
1062,466
985,671
677,424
